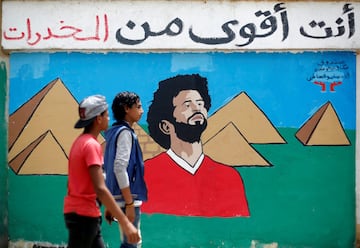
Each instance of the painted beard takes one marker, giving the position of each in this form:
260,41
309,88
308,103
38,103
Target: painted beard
189,133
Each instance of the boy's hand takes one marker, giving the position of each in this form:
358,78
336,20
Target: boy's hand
108,216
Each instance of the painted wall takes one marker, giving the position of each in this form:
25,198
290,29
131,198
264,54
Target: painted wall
3,157
293,191
284,121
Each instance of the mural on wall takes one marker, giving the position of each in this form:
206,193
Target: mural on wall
193,155
182,160
280,129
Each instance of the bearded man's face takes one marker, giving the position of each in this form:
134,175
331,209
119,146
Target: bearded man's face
190,115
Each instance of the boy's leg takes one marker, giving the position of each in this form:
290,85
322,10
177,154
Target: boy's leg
84,232
136,223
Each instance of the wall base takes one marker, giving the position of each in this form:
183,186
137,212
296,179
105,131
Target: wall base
357,236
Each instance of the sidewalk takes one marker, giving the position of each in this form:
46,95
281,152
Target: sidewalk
28,244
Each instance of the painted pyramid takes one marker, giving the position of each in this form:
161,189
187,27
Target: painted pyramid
247,118
41,131
231,148
323,128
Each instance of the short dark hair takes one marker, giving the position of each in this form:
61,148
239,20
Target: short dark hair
122,100
162,108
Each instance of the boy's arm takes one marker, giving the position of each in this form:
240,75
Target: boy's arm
107,199
122,157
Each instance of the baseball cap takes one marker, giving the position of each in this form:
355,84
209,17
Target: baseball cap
89,108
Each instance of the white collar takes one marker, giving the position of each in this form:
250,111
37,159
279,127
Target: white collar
185,165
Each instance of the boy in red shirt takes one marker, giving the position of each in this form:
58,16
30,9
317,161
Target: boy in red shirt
86,181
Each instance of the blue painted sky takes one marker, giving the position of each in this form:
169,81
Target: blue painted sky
281,84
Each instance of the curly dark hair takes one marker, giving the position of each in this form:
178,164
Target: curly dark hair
162,108
122,100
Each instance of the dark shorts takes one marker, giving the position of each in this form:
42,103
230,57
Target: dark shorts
84,232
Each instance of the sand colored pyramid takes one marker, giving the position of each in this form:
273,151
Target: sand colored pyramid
228,146
248,119
53,109
323,128
32,160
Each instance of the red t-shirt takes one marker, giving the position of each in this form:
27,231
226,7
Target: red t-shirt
214,190
81,197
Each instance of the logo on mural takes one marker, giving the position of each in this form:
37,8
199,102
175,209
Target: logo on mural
329,74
